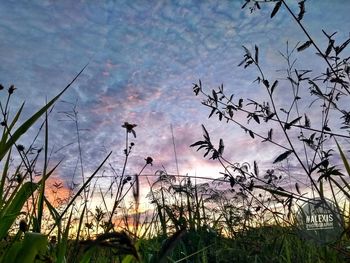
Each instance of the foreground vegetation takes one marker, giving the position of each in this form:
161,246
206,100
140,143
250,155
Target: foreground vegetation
247,215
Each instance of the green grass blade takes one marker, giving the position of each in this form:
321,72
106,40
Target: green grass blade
11,252
29,122
62,246
3,178
132,258
82,188
343,157
33,244
42,185
9,128
168,246
9,212
76,244
55,215
193,254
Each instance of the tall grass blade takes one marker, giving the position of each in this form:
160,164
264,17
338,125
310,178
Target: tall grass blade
76,245
29,122
62,246
11,210
33,244
343,157
9,128
193,254
42,185
168,246
55,215
82,188
3,178
120,242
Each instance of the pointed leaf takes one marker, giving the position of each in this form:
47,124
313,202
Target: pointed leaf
304,46
301,10
340,49
205,133
221,147
287,126
256,169
256,118
274,85
282,156
297,187
276,8
168,246
344,159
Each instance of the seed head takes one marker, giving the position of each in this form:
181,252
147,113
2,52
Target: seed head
149,160
11,89
20,147
23,226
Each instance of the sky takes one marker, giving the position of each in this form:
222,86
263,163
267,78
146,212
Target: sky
143,58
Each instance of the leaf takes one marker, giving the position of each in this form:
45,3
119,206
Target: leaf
266,83
340,49
269,134
5,169
297,187
62,246
326,128
121,243
220,115
274,85
307,123
256,54
323,163
245,4
205,133
247,52
168,246
212,112
270,116
9,128
287,126
344,159
251,134
240,103
304,46
133,132
301,10
221,147
282,156
276,8
42,186
215,96
197,143
33,244
292,81
256,118
329,48
256,169
11,210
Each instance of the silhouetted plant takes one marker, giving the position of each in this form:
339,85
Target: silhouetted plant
306,140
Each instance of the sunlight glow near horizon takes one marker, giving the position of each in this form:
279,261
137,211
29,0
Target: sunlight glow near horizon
143,58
